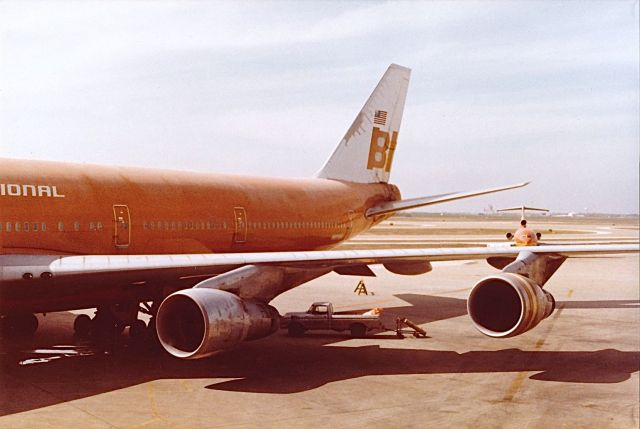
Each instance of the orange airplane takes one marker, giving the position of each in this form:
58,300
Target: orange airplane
204,254
523,236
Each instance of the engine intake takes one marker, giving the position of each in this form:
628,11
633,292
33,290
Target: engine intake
199,322
507,304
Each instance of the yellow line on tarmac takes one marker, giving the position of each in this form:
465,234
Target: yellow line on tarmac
520,377
153,407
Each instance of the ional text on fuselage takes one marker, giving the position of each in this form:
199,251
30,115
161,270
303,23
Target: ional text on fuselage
20,190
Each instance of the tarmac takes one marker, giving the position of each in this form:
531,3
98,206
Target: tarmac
578,368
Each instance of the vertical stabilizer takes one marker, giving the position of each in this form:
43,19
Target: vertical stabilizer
366,151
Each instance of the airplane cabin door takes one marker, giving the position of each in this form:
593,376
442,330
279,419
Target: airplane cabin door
240,222
122,226
350,216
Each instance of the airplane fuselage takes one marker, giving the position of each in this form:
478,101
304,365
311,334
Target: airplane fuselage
50,208
62,208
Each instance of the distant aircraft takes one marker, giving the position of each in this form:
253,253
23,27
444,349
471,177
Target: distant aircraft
204,254
524,236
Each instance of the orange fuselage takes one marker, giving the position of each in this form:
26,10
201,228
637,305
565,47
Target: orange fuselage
525,237
61,208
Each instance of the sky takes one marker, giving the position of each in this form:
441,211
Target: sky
501,92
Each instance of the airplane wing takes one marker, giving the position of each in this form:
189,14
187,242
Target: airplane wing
136,269
395,206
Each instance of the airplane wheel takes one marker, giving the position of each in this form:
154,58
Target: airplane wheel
295,329
19,325
358,330
138,331
153,342
105,327
82,326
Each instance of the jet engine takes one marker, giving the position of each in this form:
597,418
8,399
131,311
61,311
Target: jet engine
508,304
195,323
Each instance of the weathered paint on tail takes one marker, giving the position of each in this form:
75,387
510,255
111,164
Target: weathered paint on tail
366,151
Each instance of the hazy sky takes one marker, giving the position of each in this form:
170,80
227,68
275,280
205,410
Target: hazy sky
500,92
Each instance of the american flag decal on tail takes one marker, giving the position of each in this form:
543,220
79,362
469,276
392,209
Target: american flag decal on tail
380,117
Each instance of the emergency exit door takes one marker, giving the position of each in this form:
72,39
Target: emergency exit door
122,223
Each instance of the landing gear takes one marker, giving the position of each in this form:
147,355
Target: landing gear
105,326
19,325
138,331
111,320
82,326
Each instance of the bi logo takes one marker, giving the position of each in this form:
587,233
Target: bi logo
381,149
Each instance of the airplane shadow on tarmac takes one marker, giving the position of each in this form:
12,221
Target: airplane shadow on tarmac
284,365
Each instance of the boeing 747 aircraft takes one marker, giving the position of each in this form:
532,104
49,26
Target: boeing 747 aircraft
204,254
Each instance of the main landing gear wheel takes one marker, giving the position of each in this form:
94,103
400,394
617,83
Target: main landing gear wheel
105,326
19,325
110,321
82,326
138,331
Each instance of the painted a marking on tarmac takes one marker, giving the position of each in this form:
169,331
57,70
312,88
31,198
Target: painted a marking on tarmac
153,407
518,381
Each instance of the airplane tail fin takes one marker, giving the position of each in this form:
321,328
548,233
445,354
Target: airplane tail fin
366,151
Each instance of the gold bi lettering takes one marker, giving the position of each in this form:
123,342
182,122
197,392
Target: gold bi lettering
381,149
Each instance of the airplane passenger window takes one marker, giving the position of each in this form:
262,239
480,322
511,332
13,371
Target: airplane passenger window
17,227
60,226
8,227
44,227
76,226
35,227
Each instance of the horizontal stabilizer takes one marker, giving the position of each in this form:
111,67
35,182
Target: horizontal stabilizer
522,210
395,206
513,209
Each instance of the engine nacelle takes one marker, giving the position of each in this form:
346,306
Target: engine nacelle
507,304
408,268
195,323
